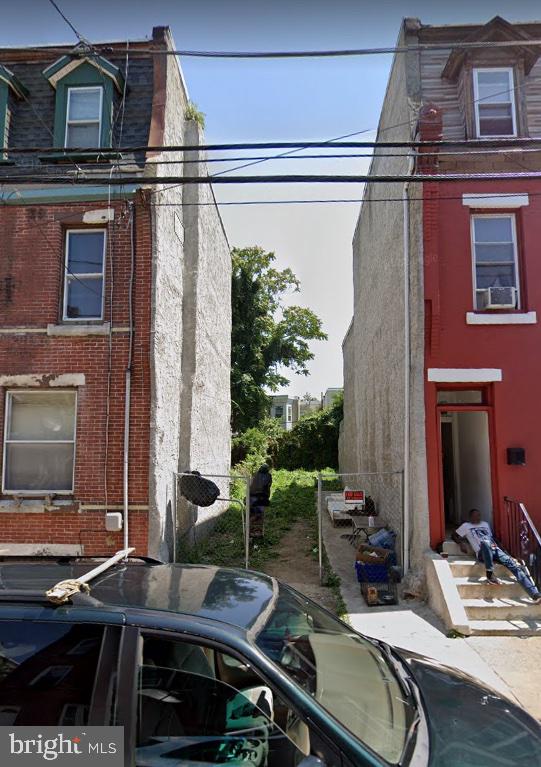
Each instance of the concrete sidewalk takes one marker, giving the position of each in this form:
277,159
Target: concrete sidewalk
413,626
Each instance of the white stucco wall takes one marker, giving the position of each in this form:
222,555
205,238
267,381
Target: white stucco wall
205,439
191,330
374,356
166,330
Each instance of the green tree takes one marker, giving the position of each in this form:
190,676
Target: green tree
266,334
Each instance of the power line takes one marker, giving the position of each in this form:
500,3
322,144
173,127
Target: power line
70,25
336,201
310,54
78,180
65,152
127,162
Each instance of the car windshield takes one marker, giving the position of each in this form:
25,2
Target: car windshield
347,675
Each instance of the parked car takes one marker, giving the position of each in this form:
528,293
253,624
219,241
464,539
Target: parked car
208,665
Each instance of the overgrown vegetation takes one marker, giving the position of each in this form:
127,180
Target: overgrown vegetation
256,445
313,442
192,112
293,498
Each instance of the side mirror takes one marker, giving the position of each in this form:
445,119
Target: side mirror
198,489
311,761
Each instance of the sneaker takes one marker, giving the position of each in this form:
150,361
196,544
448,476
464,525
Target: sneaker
493,581
536,600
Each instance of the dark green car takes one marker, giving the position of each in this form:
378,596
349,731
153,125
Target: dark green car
205,665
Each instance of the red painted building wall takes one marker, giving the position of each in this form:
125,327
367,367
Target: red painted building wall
515,414
31,276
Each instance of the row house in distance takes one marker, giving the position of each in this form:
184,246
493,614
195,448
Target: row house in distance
115,309
468,253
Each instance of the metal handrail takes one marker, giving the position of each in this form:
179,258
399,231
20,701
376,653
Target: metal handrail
523,538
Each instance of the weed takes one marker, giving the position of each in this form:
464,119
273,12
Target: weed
193,113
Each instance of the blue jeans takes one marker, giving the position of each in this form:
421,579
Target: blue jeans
490,553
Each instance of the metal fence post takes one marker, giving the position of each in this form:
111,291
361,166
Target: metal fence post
404,526
247,525
319,527
175,517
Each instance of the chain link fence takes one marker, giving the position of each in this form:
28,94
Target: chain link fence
212,521
360,505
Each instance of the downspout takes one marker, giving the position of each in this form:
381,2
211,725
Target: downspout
127,381
407,361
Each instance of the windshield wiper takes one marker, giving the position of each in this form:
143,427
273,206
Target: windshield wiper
409,685
404,680
411,736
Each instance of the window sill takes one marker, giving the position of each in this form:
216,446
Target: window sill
40,550
101,329
511,318
99,156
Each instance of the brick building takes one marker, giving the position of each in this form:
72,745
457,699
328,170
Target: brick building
442,385
114,302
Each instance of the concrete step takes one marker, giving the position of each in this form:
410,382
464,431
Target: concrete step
475,586
528,627
452,548
499,608
467,566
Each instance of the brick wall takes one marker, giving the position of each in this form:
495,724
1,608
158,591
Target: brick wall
31,271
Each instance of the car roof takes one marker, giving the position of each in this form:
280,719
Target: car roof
238,597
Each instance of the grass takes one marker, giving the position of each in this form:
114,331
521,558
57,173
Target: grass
292,499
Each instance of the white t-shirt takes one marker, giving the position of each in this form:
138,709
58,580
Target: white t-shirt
475,534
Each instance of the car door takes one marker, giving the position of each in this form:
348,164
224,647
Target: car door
196,701
57,672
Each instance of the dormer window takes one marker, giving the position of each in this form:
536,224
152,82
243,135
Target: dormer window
85,89
84,117
10,88
494,102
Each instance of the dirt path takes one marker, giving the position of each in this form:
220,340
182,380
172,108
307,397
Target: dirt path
295,564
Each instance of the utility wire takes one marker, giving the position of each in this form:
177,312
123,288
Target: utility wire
127,162
77,180
490,196
311,54
70,25
247,145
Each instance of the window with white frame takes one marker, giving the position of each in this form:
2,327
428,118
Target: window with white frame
289,413
84,274
494,102
84,116
39,441
495,262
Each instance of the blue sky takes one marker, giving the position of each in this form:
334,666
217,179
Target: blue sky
275,100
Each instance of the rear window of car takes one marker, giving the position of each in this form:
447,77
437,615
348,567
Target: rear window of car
47,672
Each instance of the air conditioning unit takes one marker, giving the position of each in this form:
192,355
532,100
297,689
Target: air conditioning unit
498,298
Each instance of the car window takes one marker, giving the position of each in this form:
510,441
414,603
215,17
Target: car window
198,706
346,674
47,672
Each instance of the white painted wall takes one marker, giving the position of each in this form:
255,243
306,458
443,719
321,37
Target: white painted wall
474,463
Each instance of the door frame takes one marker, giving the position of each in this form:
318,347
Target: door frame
456,466
437,521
